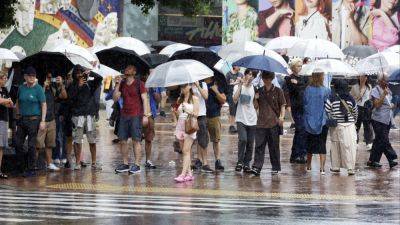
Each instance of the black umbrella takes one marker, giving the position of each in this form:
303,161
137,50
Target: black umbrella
155,59
359,51
119,58
159,45
221,80
201,54
44,62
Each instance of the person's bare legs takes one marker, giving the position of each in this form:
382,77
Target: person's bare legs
49,153
147,146
322,159
124,151
186,150
217,152
309,159
137,151
78,153
93,152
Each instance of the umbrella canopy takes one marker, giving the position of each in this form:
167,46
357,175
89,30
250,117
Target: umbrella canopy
130,43
119,58
316,48
159,45
261,62
105,71
281,43
359,51
6,54
394,49
337,68
395,76
378,63
235,51
44,62
201,54
178,72
171,49
75,53
155,60
215,48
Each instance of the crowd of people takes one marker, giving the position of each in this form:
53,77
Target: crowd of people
54,114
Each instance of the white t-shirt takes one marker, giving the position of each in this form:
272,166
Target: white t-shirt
202,101
245,112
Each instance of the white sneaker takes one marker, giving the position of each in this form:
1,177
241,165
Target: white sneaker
52,167
77,167
56,161
63,161
369,147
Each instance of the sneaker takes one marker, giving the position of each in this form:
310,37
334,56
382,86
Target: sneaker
232,129
350,172
115,141
301,160
77,167
149,165
239,167
369,147
322,172
122,168
52,167
180,178
134,169
373,164
256,171
274,172
189,178
56,161
206,169
392,164
163,114
218,166
334,170
67,165
63,161
247,169
197,165
96,166
84,164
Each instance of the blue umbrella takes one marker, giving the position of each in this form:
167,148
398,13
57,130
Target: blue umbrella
395,76
215,48
261,62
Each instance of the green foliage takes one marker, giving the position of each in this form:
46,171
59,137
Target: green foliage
187,7
7,12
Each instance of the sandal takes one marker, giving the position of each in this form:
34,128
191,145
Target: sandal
3,176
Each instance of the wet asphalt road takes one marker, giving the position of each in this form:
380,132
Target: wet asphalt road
152,197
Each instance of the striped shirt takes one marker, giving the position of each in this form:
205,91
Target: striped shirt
332,108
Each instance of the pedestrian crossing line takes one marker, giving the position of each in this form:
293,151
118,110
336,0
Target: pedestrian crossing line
209,192
44,216
16,220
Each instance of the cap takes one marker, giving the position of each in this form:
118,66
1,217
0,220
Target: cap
30,70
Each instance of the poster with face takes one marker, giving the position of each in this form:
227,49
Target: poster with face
239,21
313,19
385,22
275,18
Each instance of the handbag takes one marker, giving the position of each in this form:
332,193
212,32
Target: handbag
191,125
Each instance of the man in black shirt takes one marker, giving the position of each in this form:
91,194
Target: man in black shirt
233,78
294,90
81,94
5,103
54,89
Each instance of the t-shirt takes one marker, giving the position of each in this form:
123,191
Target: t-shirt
3,109
212,104
153,102
230,78
270,103
202,101
245,111
50,105
132,105
30,100
383,114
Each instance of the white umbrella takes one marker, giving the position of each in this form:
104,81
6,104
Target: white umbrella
6,54
235,51
178,72
394,49
385,61
316,48
105,71
71,50
284,42
130,43
171,49
334,67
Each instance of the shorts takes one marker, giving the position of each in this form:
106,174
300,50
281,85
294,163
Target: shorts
232,106
202,133
130,127
214,129
180,131
149,132
3,134
316,143
47,138
77,132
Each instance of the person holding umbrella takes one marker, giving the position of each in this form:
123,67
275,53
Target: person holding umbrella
188,107
382,118
233,78
31,114
134,115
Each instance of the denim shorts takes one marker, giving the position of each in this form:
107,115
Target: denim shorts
130,127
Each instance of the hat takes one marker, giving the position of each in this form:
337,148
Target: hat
30,70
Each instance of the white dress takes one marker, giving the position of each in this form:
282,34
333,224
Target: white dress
313,26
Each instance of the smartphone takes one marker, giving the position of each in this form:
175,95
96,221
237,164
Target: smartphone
53,80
